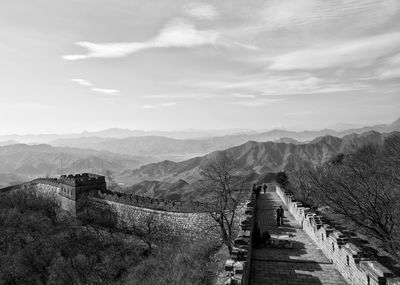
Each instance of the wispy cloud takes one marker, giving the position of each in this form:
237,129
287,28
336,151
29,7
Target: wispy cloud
176,34
390,68
106,91
256,102
274,85
355,53
202,11
168,104
316,14
163,105
81,81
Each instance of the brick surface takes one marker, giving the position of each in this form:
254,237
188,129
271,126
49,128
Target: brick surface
303,264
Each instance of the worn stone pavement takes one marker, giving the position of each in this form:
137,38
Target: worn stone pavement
303,264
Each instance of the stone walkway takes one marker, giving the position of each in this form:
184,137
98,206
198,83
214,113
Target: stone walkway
303,264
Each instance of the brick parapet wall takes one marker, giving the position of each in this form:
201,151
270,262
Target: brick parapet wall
342,248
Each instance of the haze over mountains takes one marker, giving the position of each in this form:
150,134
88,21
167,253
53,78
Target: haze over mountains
117,133
174,162
180,149
122,133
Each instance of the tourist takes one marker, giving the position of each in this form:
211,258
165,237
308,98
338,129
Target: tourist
258,190
257,234
279,216
264,187
266,238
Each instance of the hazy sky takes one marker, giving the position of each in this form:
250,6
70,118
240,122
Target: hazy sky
68,66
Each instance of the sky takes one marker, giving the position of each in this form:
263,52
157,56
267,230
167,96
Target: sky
70,66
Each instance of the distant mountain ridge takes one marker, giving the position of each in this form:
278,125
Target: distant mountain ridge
241,135
123,133
181,149
259,157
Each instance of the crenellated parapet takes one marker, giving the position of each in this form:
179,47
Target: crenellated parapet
84,179
353,257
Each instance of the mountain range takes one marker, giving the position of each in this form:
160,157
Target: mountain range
151,164
181,149
170,179
23,162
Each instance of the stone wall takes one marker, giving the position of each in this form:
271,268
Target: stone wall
52,188
345,250
49,187
153,203
191,225
190,218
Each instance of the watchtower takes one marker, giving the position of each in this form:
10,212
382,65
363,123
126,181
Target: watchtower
74,190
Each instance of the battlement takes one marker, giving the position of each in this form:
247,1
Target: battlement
84,179
353,257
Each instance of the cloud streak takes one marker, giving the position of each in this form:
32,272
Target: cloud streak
168,104
317,15
176,34
390,68
163,105
256,103
273,85
86,83
356,53
81,81
106,91
202,11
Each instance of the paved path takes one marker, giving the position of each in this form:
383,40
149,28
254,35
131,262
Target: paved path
304,264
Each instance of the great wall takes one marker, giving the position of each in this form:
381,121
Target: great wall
341,250
83,193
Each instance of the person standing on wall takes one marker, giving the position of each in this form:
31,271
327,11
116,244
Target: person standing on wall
279,216
264,187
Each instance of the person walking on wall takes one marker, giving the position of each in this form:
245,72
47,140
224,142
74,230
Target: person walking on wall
264,187
258,190
279,216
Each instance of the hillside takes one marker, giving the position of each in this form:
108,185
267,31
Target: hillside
24,162
259,158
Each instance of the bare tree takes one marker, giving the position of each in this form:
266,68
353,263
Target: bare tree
299,184
149,228
223,178
363,190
